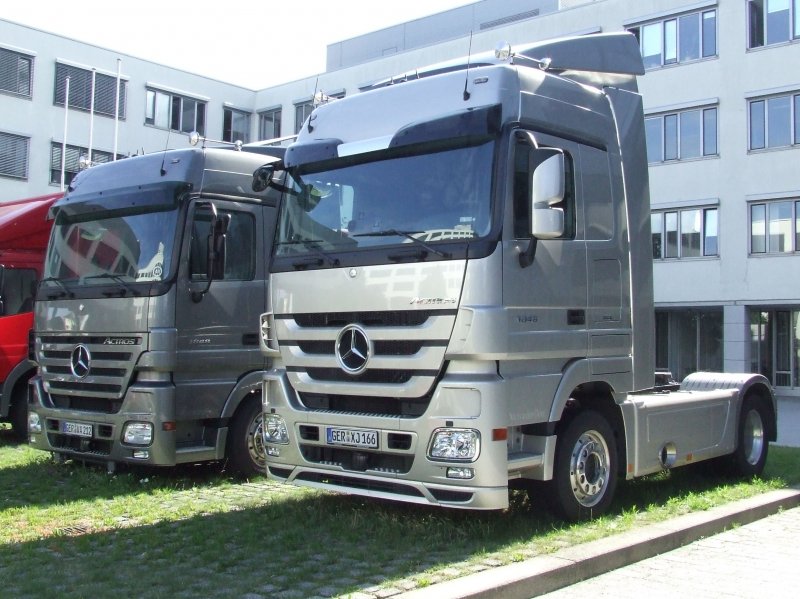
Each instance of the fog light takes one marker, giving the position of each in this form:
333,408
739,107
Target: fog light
273,451
141,454
460,473
275,429
455,444
137,433
34,423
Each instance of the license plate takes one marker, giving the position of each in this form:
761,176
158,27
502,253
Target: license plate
76,428
353,438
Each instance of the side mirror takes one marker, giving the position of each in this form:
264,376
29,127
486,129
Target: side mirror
262,177
215,249
547,190
216,246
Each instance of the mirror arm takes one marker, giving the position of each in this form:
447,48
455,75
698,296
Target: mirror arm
527,256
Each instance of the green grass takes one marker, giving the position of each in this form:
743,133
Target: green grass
74,531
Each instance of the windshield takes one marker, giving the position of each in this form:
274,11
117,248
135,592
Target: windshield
440,196
95,248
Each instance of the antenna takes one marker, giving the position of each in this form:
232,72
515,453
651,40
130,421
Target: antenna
164,155
466,77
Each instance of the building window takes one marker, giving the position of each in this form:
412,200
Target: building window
772,21
166,110
775,227
72,164
775,346
269,124
678,39
14,156
235,125
689,340
686,233
681,135
301,112
774,122
16,71
80,90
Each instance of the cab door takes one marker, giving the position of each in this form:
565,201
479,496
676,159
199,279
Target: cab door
545,287
218,321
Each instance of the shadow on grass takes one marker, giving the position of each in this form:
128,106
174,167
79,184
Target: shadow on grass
35,479
312,542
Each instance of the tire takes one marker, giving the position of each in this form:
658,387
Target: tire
246,453
18,413
752,443
585,468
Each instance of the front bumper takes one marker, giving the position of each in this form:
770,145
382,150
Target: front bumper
98,436
400,467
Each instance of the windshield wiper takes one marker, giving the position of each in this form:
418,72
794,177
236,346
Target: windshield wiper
118,279
65,290
312,245
407,235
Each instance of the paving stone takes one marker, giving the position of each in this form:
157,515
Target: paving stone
387,592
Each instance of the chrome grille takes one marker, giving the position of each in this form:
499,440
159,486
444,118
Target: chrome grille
407,356
110,369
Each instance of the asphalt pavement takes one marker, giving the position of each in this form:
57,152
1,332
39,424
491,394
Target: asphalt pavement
745,549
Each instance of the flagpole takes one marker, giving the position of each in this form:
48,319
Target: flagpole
116,108
91,116
64,141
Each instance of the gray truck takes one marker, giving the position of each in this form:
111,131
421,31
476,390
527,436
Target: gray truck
146,320
461,296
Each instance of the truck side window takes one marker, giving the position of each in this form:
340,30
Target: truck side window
240,246
525,162
17,292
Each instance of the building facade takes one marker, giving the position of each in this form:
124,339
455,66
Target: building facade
722,104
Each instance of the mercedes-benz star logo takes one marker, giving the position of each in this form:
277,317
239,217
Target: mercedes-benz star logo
80,361
353,349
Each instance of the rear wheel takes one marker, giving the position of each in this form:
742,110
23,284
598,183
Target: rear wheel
18,413
246,453
752,445
585,469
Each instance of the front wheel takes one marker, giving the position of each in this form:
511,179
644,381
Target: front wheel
585,468
246,453
750,456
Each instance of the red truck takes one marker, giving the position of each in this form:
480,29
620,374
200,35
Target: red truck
24,232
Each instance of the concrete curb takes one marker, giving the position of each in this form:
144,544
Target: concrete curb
547,573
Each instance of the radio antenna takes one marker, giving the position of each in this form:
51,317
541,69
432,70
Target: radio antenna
164,155
466,77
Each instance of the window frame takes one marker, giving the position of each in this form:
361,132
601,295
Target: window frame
21,58
80,91
669,239
229,127
270,119
758,24
302,110
668,31
24,162
672,147
74,153
176,105
768,208
762,133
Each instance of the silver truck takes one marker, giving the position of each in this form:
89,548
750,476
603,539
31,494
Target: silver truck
461,296
146,320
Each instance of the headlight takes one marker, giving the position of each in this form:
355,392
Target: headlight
138,433
275,430
34,423
455,444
